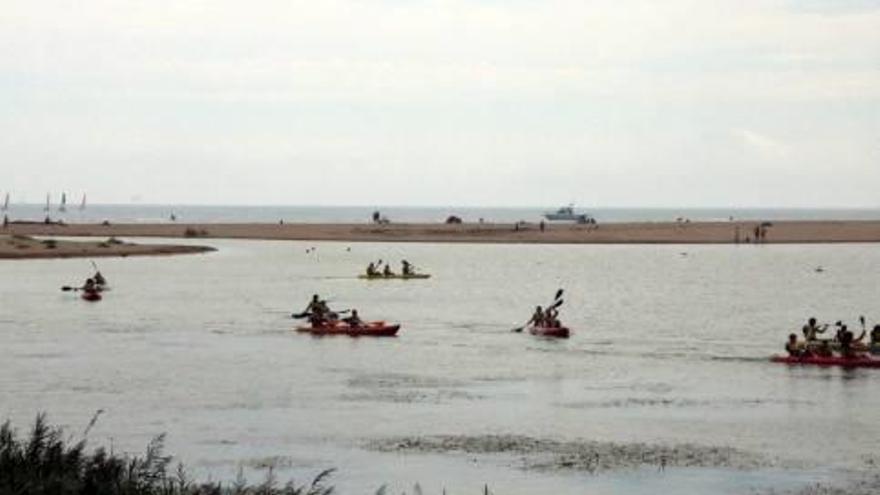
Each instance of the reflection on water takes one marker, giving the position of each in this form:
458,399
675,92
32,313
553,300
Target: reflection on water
666,350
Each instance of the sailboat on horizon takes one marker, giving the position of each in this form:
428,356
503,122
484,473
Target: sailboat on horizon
6,202
48,198
63,205
82,206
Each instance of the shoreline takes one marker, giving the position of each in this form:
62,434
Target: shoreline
20,247
732,232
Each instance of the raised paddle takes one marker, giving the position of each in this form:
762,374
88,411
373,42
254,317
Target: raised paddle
862,319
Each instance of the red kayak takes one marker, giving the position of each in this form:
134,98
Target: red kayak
371,329
846,362
557,332
91,296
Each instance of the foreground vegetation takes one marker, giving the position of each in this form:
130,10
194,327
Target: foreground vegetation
47,463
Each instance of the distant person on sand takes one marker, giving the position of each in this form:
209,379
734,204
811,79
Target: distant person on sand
542,226
376,216
757,234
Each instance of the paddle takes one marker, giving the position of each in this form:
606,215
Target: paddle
557,301
68,288
307,314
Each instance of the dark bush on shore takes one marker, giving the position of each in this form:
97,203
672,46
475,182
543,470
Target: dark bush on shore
48,464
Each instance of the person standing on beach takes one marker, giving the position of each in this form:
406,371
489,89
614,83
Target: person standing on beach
757,234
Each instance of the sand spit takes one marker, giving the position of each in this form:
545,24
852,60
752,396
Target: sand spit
591,456
612,233
25,247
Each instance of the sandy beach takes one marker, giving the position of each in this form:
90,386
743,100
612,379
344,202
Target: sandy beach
25,247
612,233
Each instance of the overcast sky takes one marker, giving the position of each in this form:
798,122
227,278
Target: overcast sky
452,102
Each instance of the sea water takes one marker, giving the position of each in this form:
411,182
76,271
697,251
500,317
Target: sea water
670,345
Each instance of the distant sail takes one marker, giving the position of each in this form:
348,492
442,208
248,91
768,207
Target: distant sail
82,206
6,202
63,205
47,203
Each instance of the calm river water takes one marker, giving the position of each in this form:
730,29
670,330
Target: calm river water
669,347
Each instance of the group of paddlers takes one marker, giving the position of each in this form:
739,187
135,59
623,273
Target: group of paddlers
406,268
844,341
548,318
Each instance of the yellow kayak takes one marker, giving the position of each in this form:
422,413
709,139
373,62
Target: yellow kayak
395,276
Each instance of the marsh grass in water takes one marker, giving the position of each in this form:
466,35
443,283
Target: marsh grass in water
48,463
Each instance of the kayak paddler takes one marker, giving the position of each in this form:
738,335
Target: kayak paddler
847,339
812,330
90,287
354,320
875,335
792,347
551,317
99,279
406,267
371,270
387,271
317,310
537,317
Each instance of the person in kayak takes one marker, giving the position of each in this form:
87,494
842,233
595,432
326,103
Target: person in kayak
317,310
847,339
551,317
812,330
387,271
793,348
875,335
537,318
99,279
89,286
372,271
824,349
354,320
406,267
